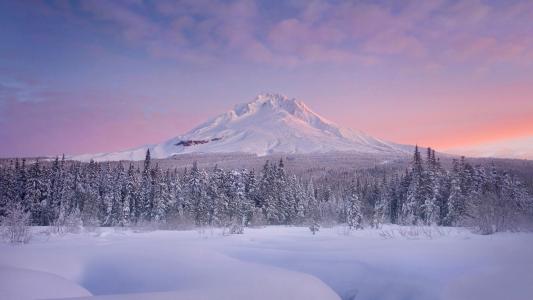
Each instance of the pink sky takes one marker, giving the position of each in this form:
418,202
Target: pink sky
98,76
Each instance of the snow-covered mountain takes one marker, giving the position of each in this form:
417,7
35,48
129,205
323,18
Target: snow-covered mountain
270,124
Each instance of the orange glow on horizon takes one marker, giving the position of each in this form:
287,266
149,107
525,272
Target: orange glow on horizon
479,135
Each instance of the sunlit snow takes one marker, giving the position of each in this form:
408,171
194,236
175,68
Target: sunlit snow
272,123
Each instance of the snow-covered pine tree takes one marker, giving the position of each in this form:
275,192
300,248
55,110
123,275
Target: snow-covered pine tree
175,212
168,195
20,179
55,181
291,199
300,200
217,197
118,192
159,196
456,202
129,199
77,175
251,187
105,193
430,190
90,195
283,202
239,205
145,196
382,207
197,193
354,216
313,210
267,191
413,201
68,221
44,205
71,178
34,187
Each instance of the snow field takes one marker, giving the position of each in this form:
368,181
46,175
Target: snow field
274,262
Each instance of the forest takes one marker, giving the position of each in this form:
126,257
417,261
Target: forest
75,194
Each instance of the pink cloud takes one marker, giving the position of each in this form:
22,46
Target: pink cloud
395,43
320,31
133,25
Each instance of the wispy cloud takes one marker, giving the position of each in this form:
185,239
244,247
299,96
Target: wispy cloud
19,90
309,32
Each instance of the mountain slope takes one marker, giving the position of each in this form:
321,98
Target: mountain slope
272,123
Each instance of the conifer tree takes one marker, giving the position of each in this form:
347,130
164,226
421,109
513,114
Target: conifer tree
354,217
267,190
313,210
456,203
412,204
197,193
146,197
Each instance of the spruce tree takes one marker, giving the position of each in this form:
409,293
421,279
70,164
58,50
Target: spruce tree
146,197
313,210
197,193
354,216
413,201
430,190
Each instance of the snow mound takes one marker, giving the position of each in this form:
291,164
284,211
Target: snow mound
154,265
20,284
271,123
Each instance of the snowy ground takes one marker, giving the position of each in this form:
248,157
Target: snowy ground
270,263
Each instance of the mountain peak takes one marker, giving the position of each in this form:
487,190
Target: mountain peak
272,101
270,123
271,97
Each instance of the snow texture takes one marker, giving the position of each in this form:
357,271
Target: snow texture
156,265
17,283
272,123
273,263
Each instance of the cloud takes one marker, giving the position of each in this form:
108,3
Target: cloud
442,32
133,25
391,43
19,90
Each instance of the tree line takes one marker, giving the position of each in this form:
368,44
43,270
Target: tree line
120,194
